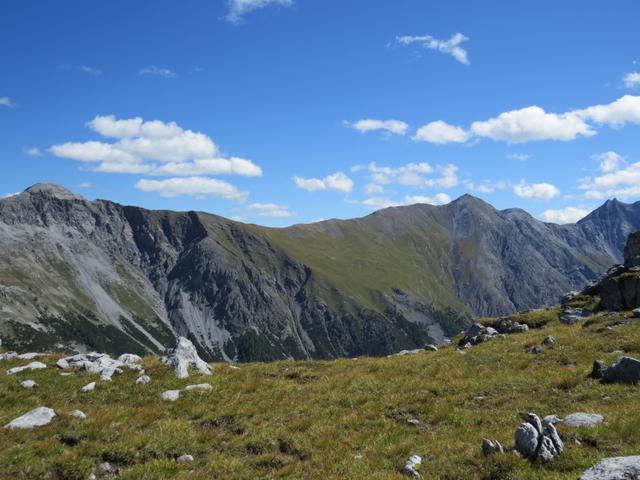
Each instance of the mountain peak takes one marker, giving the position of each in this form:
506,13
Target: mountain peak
52,190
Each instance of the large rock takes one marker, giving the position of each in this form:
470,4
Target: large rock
183,356
614,468
535,442
624,370
35,418
632,250
527,440
94,363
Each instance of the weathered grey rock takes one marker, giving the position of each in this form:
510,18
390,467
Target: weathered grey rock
35,418
143,379
431,348
402,353
410,466
79,414
546,450
533,419
183,356
29,384
597,369
8,355
105,468
184,459
624,370
413,421
550,420
636,313
62,363
491,447
535,350
549,340
89,387
527,440
581,419
200,386
614,468
632,250
551,433
93,362
170,395
24,368
129,358
28,356
567,297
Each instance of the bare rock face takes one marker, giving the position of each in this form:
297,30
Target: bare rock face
614,468
632,251
183,356
35,418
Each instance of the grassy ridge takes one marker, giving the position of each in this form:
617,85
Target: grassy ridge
341,419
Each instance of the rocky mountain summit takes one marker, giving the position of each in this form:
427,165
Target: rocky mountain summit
95,275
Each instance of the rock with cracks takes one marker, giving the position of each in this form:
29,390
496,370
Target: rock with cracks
614,468
183,356
535,442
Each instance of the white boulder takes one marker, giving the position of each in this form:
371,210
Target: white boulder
31,366
29,384
614,468
79,414
35,418
200,386
170,395
143,379
183,356
89,387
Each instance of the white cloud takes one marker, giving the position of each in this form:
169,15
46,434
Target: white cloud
157,71
450,47
337,181
380,202
609,161
486,186
437,199
535,124
441,132
85,185
372,188
632,79
564,215
270,210
395,127
6,102
615,114
622,182
520,157
192,186
414,175
538,191
530,124
153,147
32,151
239,8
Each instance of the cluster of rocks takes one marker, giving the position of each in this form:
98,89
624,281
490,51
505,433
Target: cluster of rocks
479,333
571,315
101,363
536,440
623,370
173,395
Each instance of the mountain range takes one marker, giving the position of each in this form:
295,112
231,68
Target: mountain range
82,275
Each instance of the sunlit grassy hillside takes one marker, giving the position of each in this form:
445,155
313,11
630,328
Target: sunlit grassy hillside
341,419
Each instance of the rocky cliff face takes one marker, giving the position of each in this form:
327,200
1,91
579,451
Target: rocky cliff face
97,275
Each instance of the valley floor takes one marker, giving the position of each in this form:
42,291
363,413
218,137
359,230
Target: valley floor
341,419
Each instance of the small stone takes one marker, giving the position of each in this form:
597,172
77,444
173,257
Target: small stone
129,358
89,387
65,374
31,366
413,421
28,356
170,395
105,468
62,363
29,384
431,348
636,312
78,414
35,418
184,459
535,350
410,466
200,386
490,448
143,379
581,419
550,340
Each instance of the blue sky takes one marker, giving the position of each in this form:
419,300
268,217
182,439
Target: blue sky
286,111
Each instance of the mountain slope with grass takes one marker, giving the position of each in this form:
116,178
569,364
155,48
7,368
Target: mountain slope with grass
81,274
338,419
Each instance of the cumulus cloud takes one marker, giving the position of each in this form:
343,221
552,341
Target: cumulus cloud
32,151
609,161
537,191
380,202
437,199
153,147
486,186
623,181
441,132
192,186
239,8
632,79
450,47
564,215
337,181
535,124
157,71
421,175
395,127
270,210
6,102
